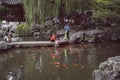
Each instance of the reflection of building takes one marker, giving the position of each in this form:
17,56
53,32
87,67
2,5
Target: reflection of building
13,10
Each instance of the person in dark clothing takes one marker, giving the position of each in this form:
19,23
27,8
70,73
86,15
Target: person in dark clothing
83,37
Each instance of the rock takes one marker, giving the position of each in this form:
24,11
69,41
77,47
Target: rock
4,45
75,36
47,32
60,32
89,35
16,39
114,25
91,40
2,33
94,36
15,35
15,73
108,70
93,32
110,36
36,33
14,27
36,27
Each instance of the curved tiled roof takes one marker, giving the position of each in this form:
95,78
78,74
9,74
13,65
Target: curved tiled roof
11,2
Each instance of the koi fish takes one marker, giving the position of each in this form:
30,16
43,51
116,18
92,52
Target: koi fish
76,65
57,66
82,67
56,63
64,65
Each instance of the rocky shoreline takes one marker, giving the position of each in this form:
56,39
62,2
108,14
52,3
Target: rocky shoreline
90,36
108,70
4,45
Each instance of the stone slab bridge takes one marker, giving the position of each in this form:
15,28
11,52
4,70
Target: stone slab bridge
35,43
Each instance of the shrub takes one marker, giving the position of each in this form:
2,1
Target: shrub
105,14
23,30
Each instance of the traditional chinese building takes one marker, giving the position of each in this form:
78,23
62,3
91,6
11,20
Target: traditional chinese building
12,11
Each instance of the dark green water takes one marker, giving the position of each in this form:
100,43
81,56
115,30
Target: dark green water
72,62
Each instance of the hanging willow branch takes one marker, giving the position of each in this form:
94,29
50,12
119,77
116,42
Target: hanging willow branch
37,10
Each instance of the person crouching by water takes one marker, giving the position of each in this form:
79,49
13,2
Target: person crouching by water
57,42
53,37
7,38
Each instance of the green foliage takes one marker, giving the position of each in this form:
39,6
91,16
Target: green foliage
23,30
108,9
104,2
2,8
37,10
104,14
113,5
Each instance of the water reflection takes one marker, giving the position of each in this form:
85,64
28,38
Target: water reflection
39,64
72,62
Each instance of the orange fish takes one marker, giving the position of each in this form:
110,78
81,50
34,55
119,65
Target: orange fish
82,67
76,65
52,56
57,66
56,63
11,55
67,67
42,47
94,49
64,65
34,57
108,46
24,62
49,49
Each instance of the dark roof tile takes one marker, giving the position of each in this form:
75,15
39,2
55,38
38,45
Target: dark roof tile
11,2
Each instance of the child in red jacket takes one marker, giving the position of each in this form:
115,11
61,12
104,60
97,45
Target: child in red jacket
53,37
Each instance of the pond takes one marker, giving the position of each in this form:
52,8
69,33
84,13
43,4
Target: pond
71,62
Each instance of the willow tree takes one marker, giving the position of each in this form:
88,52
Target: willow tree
37,10
31,11
77,5
86,5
